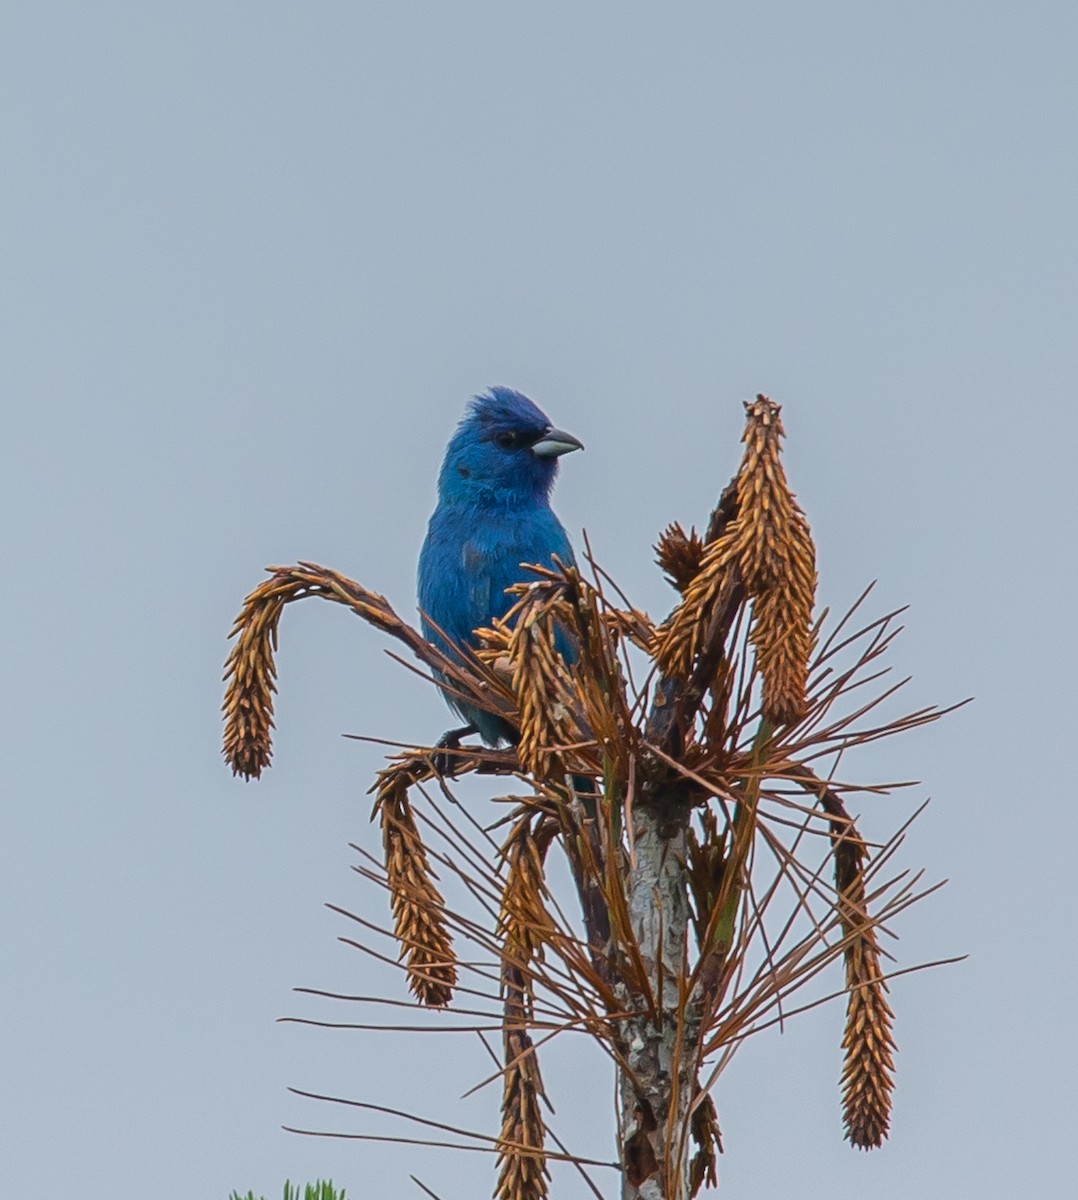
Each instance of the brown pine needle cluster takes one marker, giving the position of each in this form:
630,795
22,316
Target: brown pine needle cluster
778,564
675,766
680,555
523,1173
545,694
868,1069
767,550
522,1168
524,924
418,908
251,672
868,1042
708,1139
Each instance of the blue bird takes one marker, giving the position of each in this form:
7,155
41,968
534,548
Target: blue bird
493,514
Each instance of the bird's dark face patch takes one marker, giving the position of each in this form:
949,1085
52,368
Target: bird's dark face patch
515,439
507,419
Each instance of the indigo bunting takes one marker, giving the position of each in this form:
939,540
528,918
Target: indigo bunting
493,514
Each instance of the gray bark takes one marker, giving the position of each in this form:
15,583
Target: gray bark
656,1092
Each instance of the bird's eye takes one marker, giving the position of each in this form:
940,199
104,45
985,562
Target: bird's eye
507,441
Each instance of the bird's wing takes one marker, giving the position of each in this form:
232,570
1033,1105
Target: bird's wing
491,561
476,567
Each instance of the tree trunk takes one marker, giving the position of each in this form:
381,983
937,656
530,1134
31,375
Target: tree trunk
657,1090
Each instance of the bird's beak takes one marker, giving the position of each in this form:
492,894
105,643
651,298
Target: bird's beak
555,442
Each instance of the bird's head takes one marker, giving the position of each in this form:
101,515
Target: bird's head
505,448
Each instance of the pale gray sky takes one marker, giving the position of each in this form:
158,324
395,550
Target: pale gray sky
255,259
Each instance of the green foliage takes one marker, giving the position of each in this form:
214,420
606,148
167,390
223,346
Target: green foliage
322,1190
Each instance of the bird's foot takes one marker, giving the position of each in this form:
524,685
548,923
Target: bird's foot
446,764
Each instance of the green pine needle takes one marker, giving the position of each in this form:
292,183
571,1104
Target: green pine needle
322,1190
